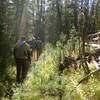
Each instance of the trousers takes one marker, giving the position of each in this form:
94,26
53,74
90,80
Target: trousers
22,69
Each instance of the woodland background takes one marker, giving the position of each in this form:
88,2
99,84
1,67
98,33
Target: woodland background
48,19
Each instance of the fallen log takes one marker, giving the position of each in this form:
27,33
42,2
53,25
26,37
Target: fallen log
96,64
76,63
94,35
96,52
93,45
69,62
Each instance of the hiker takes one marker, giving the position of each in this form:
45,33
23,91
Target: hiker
39,46
22,59
30,45
33,46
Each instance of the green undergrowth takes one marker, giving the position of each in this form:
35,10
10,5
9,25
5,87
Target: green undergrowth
6,82
44,82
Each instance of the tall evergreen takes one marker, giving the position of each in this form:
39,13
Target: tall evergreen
4,38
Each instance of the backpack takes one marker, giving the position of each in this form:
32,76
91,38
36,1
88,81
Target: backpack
20,50
39,44
33,44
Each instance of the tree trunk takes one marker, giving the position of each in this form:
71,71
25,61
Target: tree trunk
19,12
59,15
96,16
75,15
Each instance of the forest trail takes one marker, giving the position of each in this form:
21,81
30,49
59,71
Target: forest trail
70,31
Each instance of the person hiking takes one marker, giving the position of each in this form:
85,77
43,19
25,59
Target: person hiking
33,46
22,58
39,46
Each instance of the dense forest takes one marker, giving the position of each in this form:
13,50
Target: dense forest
68,67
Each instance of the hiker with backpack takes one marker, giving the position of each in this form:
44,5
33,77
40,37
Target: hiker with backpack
22,58
33,46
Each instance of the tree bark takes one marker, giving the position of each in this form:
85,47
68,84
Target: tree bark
59,15
96,16
75,15
19,12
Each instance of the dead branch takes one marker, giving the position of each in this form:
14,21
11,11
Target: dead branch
86,77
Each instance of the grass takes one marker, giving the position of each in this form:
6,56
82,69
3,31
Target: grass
44,83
